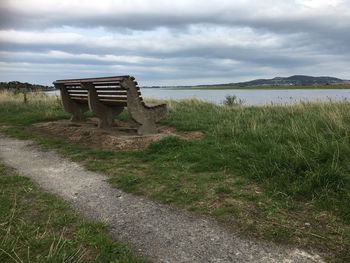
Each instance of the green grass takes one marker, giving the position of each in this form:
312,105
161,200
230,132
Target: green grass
36,226
279,173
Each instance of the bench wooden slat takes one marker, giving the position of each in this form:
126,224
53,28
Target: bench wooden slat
72,84
112,98
77,90
111,95
111,87
106,79
96,87
113,101
106,97
113,92
107,83
77,94
107,88
97,84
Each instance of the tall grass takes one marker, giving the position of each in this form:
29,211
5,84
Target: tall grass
32,107
268,169
301,151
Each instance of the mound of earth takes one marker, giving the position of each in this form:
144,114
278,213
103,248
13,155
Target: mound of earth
122,136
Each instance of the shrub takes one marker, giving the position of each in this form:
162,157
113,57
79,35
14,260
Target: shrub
232,100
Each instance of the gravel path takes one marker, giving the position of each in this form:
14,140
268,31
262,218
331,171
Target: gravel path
156,231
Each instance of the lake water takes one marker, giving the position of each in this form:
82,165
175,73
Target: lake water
249,97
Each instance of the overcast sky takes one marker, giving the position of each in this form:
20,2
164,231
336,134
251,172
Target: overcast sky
167,42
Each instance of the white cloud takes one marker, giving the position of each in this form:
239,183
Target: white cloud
320,3
25,37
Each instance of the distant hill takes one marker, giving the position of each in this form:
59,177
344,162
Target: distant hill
296,80
20,86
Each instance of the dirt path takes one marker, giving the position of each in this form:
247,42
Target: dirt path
157,232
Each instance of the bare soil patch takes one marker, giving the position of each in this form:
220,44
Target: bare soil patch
123,136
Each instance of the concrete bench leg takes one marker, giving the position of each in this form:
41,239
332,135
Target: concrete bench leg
104,113
76,109
146,116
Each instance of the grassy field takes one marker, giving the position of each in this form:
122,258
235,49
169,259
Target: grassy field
270,87
38,227
279,173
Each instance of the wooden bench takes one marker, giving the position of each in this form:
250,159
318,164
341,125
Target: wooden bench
106,97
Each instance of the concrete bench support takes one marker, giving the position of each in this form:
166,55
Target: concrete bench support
145,115
76,109
104,113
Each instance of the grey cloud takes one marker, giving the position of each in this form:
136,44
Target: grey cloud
322,25
247,55
120,20
307,42
330,32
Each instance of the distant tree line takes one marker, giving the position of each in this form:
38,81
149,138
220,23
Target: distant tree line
17,86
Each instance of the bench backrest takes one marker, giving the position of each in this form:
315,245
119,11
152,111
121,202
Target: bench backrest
109,90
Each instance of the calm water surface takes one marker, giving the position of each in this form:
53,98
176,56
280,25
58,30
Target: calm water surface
249,97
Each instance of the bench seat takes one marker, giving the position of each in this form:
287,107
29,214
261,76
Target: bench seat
107,97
